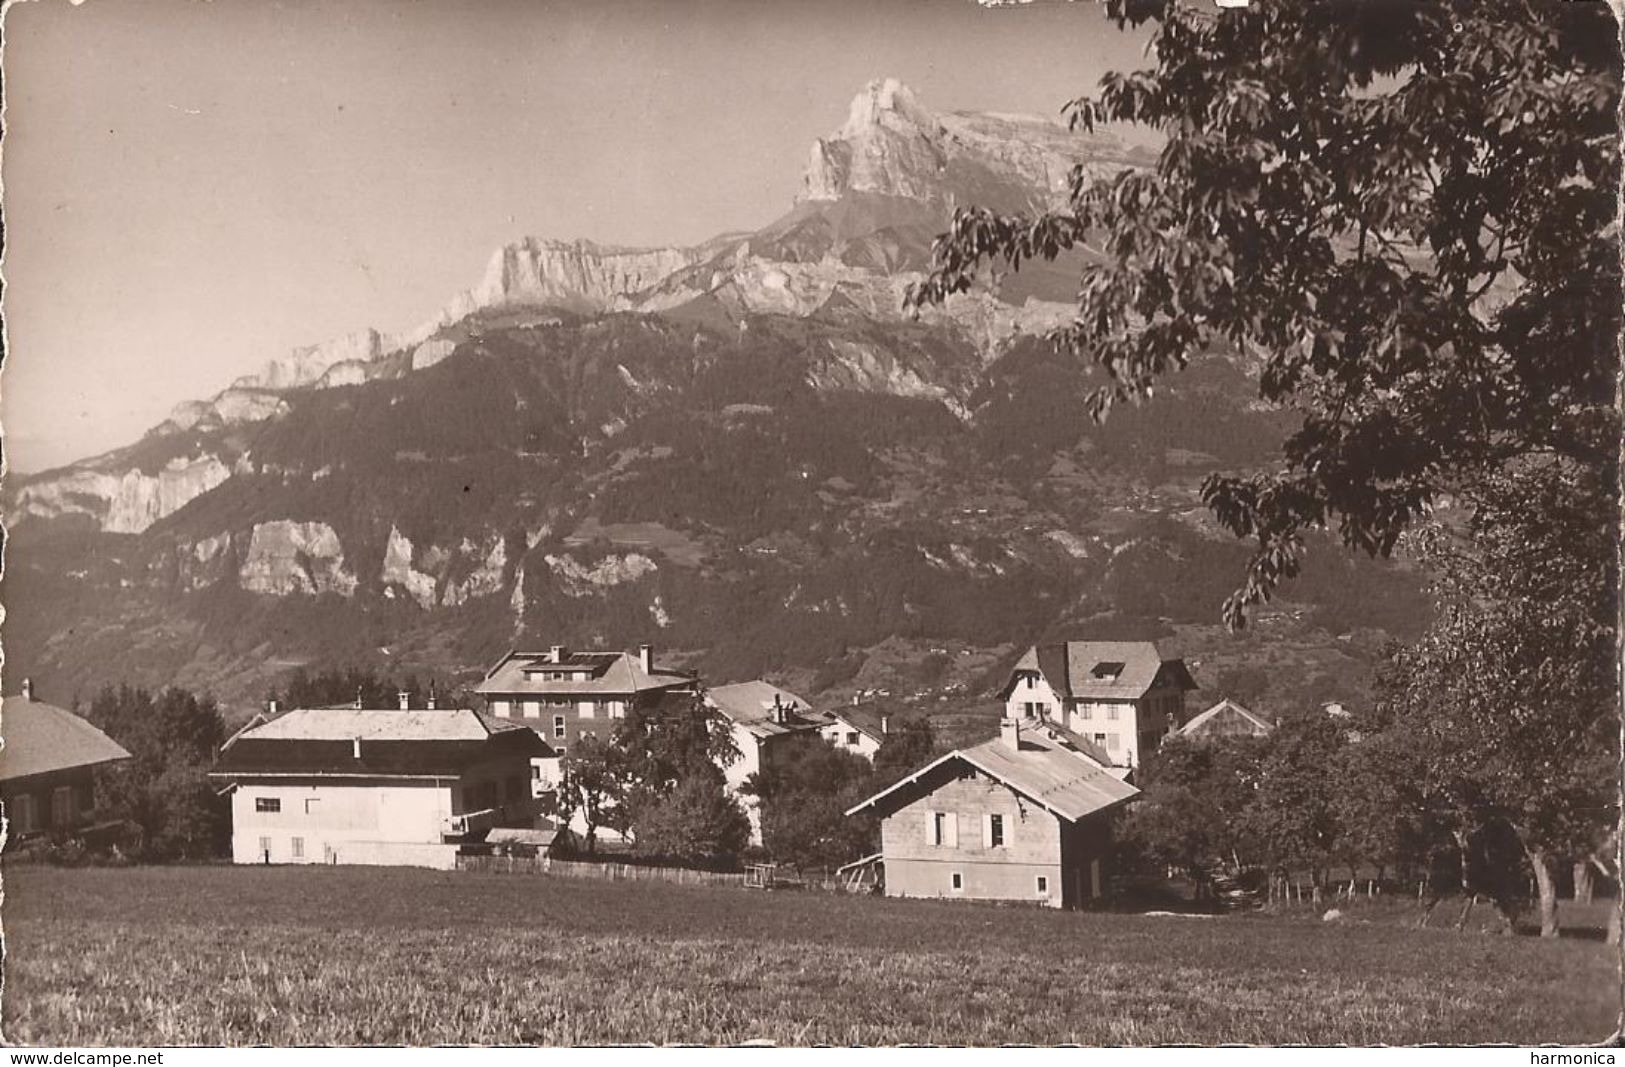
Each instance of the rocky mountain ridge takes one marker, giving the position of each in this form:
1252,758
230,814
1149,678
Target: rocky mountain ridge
860,235
743,450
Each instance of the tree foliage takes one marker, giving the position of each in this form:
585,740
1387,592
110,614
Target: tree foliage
1402,214
699,821
1509,703
627,782
908,748
163,792
804,796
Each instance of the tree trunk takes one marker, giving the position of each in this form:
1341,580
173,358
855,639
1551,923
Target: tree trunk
1582,882
1542,863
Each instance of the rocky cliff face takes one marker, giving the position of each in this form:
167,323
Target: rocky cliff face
286,557
143,499
577,274
893,146
305,366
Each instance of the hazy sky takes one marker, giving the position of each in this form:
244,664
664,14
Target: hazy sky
194,188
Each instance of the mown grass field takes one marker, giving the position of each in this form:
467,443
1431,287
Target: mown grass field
221,955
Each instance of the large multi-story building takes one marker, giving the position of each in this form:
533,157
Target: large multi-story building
1123,696
566,695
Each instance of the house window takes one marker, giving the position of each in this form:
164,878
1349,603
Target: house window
1111,712
851,737
589,709
1100,739
535,773
939,828
1032,682
958,882
298,848
267,805
1111,742
533,709
1043,886
1086,711
558,726
265,849
62,806
313,806
22,812
995,831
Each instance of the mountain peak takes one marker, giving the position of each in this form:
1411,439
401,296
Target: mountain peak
889,104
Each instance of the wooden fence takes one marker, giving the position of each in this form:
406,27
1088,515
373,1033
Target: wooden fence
636,872
614,872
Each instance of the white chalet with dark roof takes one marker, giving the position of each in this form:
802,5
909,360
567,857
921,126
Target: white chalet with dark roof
1122,696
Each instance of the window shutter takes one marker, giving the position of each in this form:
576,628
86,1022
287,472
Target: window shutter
930,827
953,829
987,831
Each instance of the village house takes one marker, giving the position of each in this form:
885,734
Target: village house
762,719
47,768
377,786
565,695
1227,718
1124,696
859,729
1019,818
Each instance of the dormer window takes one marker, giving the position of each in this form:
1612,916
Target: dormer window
1108,669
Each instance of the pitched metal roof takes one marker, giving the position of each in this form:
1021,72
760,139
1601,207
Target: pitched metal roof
1064,782
422,743
1103,670
610,674
1211,721
382,724
750,704
41,738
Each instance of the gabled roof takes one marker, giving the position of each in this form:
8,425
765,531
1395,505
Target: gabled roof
41,738
1049,775
1102,670
610,674
1077,742
1216,719
440,743
866,719
750,704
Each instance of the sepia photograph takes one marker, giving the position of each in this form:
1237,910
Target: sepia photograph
968,523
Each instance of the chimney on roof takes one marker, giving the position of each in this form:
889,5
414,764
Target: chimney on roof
646,657
557,653
431,697
355,747
270,707
28,689
404,699
885,724
1010,733
358,702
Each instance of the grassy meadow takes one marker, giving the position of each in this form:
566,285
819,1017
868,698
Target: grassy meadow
335,955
